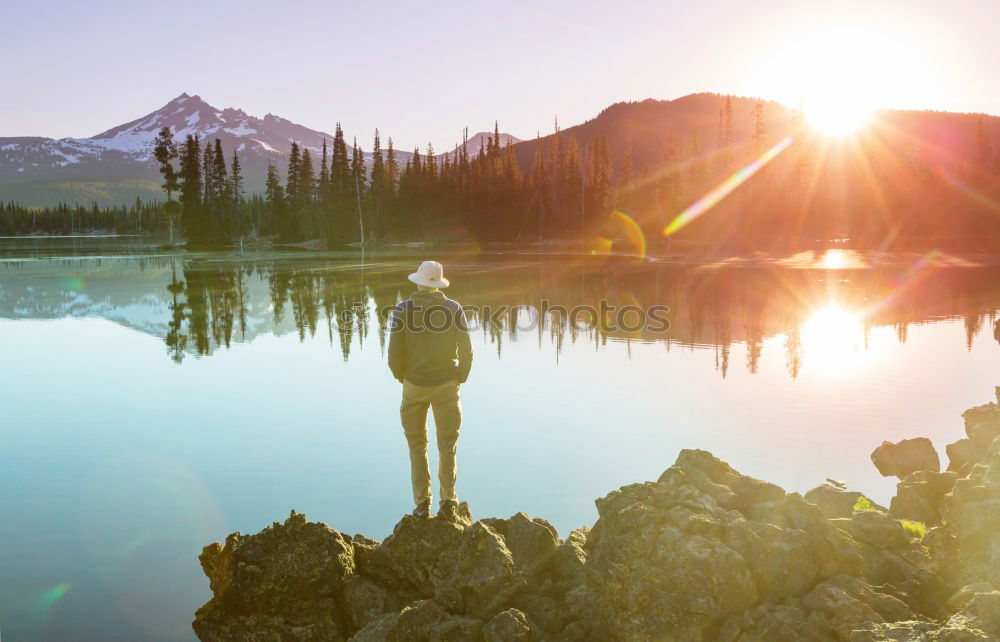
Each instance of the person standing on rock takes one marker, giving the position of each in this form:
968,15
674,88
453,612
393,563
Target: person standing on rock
430,353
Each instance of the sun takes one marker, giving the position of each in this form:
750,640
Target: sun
839,117
839,75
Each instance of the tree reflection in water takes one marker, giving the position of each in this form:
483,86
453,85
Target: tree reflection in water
821,315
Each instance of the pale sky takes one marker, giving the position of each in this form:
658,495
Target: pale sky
422,71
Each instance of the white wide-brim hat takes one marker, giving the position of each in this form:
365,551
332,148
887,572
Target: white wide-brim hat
430,274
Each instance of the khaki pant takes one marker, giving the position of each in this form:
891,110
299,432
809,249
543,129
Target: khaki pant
447,421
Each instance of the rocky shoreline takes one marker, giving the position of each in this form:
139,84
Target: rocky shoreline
703,553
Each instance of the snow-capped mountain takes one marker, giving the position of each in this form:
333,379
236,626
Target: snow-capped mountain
117,165
185,115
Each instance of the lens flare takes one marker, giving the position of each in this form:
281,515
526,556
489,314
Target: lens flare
726,187
919,270
633,233
49,597
621,224
965,188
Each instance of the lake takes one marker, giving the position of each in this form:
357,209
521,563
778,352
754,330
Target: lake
153,402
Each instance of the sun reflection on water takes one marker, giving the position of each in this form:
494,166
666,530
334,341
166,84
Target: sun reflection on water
834,341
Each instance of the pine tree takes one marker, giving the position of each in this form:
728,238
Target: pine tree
274,193
323,185
190,188
378,171
190,174
572,185
274,198
728,137
207,177
983,151
758,130
341,223
307,178
220,176
430,164
391,169
599,181
625,183
165,151
669,184
358,177
236,182
293,193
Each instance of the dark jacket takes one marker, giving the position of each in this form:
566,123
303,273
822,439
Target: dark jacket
429,340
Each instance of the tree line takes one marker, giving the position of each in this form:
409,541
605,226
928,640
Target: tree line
881,188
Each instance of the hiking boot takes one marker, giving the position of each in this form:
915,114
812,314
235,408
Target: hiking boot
448,510
423,509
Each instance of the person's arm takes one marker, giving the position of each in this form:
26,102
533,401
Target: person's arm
397,342
464,345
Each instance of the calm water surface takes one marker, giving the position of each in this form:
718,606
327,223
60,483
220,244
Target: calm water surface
152,403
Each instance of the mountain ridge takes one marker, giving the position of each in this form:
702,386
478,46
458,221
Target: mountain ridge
116,165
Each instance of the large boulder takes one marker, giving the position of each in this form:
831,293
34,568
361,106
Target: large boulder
414,560
687,555
510,625
919,495
286,581
905,457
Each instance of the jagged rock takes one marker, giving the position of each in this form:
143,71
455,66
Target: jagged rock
420,621
919,495
878,528
284,581
571,555
892,556
482,573
987,608
704,553
972,511
833,610
508,626
531,541
983,433
671,559
960,454
963,596
905,457
414,559
979,414
834,501
956,629
364,601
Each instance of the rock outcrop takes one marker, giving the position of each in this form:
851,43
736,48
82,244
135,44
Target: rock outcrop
906,457
703,553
